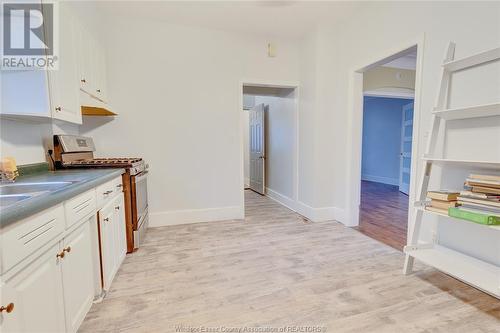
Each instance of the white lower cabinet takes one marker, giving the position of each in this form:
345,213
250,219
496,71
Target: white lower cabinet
37,295
50,266
112,238
77,276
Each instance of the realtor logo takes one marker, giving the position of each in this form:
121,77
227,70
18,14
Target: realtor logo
28,35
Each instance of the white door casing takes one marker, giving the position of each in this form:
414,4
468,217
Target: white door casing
257,149
406,148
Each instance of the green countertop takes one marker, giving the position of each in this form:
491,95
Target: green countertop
81,181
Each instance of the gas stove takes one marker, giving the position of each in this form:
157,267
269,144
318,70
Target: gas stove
78,152
135,165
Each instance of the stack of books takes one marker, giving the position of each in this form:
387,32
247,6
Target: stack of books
480,201
442,200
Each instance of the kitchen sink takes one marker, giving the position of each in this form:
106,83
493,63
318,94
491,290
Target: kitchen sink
7,200
27,188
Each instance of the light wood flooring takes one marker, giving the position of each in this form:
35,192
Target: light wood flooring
383,214
274,269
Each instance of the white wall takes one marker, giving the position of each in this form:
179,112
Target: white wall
25,141
337,52
178,95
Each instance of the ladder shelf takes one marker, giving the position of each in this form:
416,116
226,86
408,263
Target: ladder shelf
476,111
464,164
473,60
476,272
468,269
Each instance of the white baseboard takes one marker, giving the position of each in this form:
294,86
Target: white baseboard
314,214
162,219
379,179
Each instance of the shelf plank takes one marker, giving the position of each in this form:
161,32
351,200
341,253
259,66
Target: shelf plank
470,270
492,227
466,164
474,60
476,111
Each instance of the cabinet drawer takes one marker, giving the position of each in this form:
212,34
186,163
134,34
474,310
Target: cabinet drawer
108,191
28,235
80,207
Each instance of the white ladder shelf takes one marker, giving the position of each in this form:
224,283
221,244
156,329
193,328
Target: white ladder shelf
468,269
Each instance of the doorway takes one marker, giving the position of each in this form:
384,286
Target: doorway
269,130
387,148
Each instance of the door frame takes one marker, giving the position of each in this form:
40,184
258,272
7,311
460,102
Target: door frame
270,84
354,149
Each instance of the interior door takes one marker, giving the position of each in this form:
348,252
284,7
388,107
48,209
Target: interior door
257,149
406,146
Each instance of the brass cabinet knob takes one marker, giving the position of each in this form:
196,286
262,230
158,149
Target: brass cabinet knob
106,219
9,308
61,255
98,90
83,80
67,249
58,108
117,207
107,192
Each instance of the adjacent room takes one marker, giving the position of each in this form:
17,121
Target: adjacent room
388,102
249,166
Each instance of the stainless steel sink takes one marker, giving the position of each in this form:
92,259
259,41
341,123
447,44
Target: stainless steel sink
27,188
7,200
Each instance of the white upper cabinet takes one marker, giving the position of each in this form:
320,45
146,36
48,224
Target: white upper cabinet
57,94
63,83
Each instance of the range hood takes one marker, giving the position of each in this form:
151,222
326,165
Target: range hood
91,106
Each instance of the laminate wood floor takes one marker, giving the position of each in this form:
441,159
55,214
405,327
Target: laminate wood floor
383,214
273,270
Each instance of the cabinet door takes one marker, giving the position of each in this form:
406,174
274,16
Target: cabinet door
100,73
36,293
77,276
107,243
63,83
84,50
120,229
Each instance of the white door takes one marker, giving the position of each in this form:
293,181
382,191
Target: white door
77,276
257,149
406,146
36,293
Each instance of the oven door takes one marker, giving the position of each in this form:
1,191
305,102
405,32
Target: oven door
139,199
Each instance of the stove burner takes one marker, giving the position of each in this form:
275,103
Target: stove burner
105,161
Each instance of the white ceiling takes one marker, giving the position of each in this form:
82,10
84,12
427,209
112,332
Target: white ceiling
408,61
289,19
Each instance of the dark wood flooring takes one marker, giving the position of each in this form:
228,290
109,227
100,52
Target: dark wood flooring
383,213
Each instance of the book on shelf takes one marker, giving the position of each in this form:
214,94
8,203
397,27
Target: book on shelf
484,189
485,202
443,204
485,177
479,195
470,205
480,182
443,195
437,210
474,216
